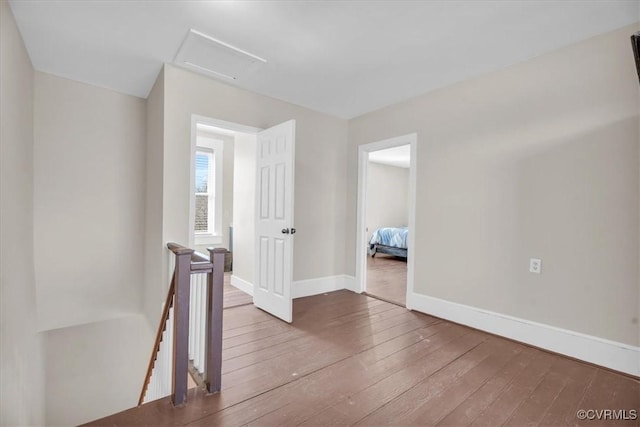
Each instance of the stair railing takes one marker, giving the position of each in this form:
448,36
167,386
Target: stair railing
189,336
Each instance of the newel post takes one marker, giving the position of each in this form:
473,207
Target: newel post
181,326
215,284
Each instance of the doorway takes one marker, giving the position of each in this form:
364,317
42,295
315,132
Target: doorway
221,197
386,219
249,211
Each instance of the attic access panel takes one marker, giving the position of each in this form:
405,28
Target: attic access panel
205,54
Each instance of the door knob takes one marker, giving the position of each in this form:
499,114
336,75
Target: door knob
293,231
285,231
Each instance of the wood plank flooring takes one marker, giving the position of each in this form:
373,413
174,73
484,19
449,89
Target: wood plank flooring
233,296
387,278
349,359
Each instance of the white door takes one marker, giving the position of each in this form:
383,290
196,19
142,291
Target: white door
274,220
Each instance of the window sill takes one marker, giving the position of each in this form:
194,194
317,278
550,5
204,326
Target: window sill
208,239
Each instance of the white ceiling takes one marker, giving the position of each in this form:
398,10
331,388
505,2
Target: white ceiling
344,58
396,156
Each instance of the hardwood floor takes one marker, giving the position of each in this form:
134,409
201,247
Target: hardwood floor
349,359
234,297
387,278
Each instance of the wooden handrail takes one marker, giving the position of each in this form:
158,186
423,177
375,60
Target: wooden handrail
199,264
162,325
201,267
178,249
197,257
188,262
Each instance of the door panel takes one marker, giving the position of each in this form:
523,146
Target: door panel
264,193
280,191
278,271
263,256
274,220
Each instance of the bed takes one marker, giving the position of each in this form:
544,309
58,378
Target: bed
389,240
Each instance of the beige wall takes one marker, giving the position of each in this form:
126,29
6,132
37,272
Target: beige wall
539,160
89,220
89,201
21,346
244,194
320,164
154,250
96,369
387,197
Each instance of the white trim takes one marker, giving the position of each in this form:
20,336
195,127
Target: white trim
208,239
214,148
192,180
350,283
305,288
361,235
242,284
611,354
235,127
320,285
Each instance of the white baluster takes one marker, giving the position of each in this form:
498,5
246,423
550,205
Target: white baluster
167,356
154,390
160,364
196,330
192,331
153,395
162,356
147,392
203,322
192,302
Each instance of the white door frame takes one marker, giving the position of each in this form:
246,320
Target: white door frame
195,119
361,233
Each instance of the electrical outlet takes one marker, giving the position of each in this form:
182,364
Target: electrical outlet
535,265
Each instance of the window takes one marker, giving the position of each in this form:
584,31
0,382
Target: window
205,192
208,190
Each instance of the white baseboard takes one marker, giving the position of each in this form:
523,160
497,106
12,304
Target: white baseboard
305,288
309,287
350,283
614,355
242,284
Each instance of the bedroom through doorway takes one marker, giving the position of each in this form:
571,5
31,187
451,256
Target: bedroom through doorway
386,200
